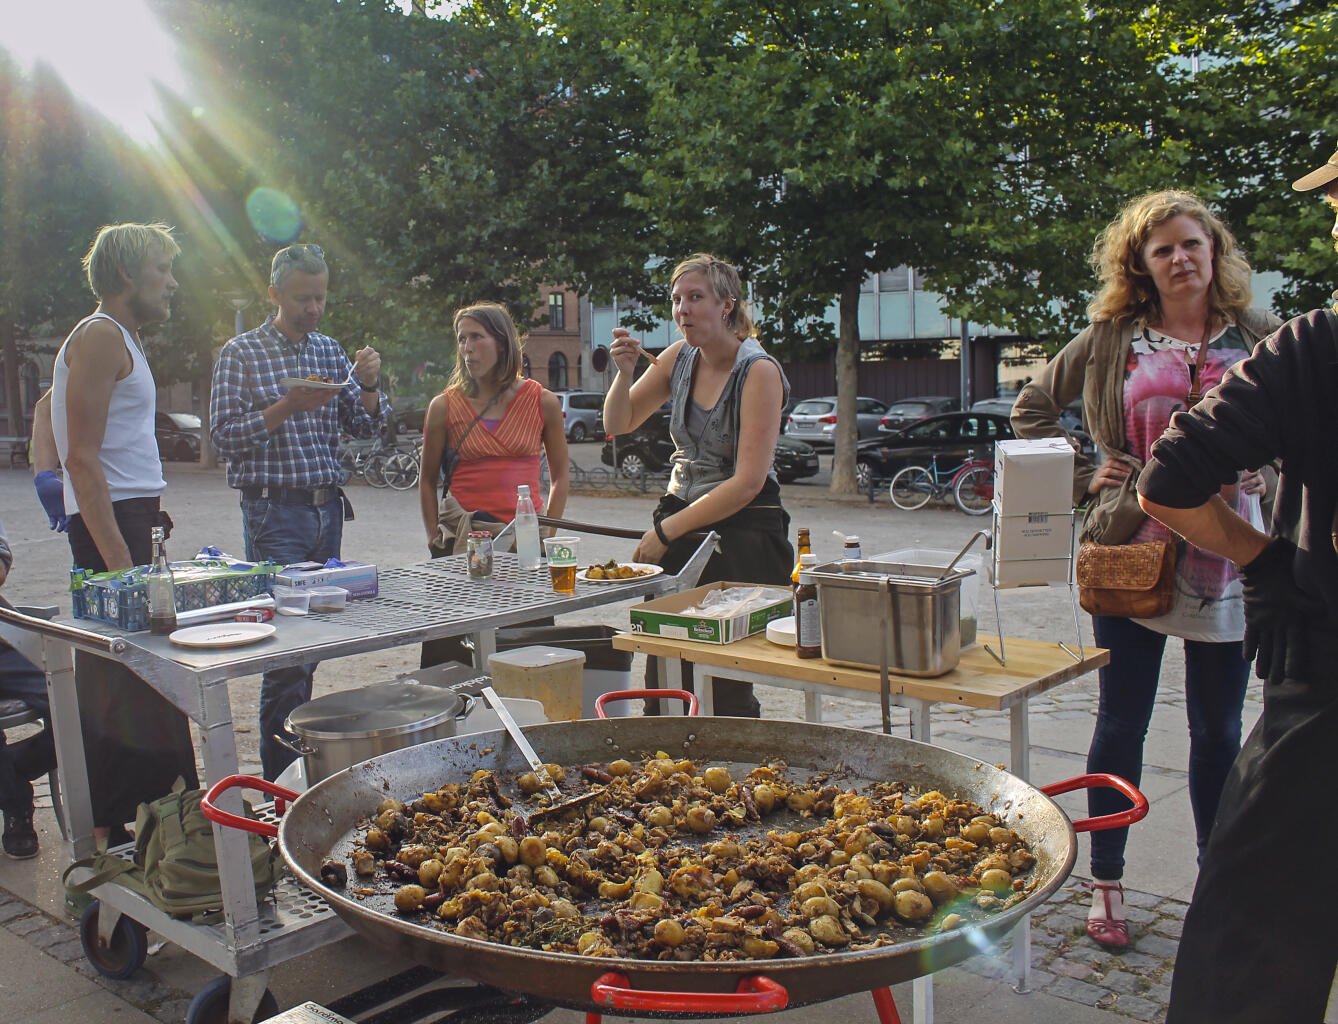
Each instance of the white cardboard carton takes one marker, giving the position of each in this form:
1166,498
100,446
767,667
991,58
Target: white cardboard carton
1033,572
1033,535
1033,475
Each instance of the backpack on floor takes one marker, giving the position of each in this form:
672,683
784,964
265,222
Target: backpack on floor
176,866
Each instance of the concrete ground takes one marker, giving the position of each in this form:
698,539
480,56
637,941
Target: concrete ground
47,979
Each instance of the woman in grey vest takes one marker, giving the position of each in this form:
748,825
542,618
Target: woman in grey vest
727,395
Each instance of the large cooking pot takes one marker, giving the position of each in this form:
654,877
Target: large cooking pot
342,729
323,823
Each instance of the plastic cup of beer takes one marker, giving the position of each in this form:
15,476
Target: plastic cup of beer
561,552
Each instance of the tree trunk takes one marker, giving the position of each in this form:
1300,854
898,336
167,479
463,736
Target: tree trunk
847,387
9,360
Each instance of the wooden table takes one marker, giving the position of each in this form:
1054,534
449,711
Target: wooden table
978,681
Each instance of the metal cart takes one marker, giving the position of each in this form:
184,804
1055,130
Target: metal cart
424,601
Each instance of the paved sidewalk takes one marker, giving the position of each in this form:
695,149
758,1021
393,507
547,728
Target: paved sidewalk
47,979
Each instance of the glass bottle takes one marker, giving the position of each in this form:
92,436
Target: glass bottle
527,530
807,624
803,546
160,587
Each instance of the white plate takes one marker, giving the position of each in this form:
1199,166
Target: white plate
314,385
655,570
222,634
781,631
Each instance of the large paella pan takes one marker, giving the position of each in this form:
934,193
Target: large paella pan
325,823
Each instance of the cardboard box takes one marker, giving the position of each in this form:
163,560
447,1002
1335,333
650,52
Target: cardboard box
358,578
1033,572
662,617
1033,475
1036,535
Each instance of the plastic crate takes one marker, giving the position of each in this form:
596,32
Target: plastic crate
121,598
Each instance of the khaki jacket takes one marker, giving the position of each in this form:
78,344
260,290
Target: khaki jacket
1092,366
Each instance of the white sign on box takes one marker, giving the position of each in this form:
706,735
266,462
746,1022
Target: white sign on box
1033,475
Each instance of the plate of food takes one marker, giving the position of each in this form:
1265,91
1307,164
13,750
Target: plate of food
315,382
614,571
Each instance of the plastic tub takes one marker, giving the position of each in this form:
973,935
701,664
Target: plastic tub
290,601
970,590
328,599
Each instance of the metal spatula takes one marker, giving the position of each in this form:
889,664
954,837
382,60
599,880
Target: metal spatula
558,805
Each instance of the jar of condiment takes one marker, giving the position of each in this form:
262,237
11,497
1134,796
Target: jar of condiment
478,556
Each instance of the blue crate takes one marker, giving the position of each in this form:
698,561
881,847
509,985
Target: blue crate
121,598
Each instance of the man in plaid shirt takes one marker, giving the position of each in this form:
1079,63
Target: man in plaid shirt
281,445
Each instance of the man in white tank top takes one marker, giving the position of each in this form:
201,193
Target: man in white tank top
103,401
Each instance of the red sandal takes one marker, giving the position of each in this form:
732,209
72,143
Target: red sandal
1106,930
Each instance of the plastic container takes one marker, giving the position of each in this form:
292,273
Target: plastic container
328,599
289,601
970,590
605,668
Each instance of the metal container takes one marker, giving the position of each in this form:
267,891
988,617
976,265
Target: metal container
905,607
343,729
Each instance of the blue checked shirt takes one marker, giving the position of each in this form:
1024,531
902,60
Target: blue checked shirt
304,450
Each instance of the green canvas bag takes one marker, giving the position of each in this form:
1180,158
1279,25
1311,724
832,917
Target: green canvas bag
175,866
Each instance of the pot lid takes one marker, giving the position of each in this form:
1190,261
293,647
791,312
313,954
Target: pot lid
377,710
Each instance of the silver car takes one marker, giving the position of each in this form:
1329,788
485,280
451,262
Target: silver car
814,420
582,415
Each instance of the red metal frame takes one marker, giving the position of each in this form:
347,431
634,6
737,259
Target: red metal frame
211,810
687,697
756,993
1120,819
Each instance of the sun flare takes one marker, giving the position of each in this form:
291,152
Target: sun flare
110,54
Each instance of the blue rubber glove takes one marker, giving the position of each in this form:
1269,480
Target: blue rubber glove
51,492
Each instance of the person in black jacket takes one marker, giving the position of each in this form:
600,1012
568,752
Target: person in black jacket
1256,946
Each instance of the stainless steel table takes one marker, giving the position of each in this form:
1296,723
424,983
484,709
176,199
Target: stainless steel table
425,601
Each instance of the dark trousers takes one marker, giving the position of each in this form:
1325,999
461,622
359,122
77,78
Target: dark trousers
29,758
1242,959
1215,680
136,743
754,548
287,534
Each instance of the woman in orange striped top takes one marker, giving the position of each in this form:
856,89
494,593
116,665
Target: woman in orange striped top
498,420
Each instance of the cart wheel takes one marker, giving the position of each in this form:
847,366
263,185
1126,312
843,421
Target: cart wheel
210,1005
124,955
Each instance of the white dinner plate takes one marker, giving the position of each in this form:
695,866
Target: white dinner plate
655,570
314,385
222,634
781,631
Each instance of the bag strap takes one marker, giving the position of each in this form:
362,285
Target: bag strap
446,426
105,868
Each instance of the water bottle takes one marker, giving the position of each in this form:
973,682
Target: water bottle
527,530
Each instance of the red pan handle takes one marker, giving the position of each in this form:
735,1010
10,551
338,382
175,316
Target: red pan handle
756,994
210,809
690,699
1103,822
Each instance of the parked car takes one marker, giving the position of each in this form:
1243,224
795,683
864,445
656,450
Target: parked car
1070,418
905,411
950,437
582,414
178,435
814,420
648,449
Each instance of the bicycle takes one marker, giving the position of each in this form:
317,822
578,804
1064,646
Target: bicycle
971,485
395,467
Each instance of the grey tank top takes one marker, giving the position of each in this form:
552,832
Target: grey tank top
706,440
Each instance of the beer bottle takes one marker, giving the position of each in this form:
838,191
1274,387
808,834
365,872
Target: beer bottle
807,624
160,587
802,547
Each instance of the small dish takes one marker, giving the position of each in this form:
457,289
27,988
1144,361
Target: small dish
327,599
222,634
291,601
313,385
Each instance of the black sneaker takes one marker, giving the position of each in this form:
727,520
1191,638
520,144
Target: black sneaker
20,838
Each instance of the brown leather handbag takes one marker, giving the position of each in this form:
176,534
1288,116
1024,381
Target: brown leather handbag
1132,581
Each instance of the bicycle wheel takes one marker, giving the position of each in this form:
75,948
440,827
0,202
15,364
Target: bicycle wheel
401,471
912,488
374,470
974,490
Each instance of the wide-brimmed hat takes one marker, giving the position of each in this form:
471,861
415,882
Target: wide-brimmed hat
1321,175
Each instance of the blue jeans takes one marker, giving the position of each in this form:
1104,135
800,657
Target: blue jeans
33,757
287,534
1216,675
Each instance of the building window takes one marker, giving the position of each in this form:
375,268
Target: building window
557,311
557,372
898,280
